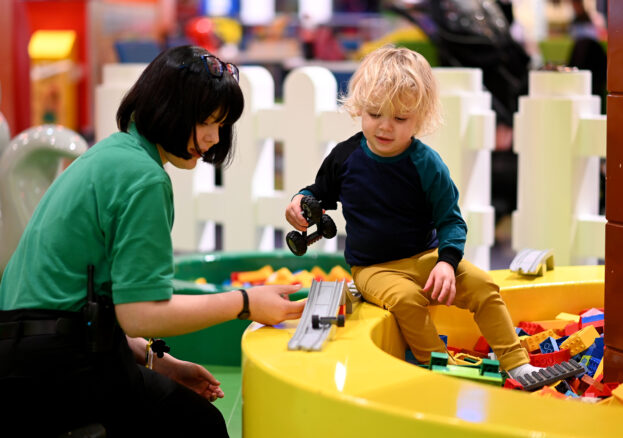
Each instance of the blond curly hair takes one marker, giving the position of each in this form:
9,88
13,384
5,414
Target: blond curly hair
397,78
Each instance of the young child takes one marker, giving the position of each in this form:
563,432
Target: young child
404,231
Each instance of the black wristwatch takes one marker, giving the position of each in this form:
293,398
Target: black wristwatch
244,313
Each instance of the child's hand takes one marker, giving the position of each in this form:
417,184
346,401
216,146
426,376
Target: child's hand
443,282
294,214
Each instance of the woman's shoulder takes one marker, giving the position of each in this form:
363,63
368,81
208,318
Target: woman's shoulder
123,158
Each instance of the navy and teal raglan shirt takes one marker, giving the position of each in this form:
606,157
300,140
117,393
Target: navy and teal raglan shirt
112,208
394,207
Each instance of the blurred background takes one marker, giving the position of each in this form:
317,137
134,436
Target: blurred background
53,51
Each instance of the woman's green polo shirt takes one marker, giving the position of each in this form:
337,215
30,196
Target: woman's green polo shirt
112,208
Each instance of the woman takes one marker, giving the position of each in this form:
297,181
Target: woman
91,277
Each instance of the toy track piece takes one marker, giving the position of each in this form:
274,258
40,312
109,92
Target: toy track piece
313,330
533,262
560,371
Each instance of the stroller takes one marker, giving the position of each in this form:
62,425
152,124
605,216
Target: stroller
476,33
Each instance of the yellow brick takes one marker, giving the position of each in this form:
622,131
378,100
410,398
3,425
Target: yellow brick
580,340
531,343
568,317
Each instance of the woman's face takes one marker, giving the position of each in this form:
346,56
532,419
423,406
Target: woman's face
207,136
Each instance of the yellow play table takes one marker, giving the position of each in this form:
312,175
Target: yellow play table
358,386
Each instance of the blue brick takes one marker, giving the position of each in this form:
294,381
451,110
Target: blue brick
549,345
520,331
444,338
592,365
597,349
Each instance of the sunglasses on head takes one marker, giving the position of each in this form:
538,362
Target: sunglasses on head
216,67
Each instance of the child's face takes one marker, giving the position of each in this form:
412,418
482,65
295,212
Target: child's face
207,136
388,133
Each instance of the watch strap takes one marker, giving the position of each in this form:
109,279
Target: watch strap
244,313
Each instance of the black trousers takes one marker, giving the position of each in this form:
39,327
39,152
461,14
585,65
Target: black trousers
50,384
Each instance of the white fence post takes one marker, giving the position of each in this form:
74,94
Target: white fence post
309,123
306,122
560,136
465,142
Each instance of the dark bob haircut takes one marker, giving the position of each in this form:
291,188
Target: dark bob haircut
174,94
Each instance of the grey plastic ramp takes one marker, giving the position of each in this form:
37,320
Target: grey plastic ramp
551,374
533,262
323,300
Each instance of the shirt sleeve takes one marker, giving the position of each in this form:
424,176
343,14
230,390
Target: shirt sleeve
443,199
326,187
141,249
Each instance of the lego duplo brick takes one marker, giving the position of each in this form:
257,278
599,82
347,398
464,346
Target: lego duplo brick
531,328
520,332
549,345
600,390
467,359
594,317
470,373
585,382
570,317
591,364
558,325
482,346
562,387
531,343
511,383
597,349
549,375
580,340
473,353
571,328
549,359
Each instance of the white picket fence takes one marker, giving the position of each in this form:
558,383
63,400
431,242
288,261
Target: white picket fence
308,123
559,137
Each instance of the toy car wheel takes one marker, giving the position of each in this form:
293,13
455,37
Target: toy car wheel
329,230
311,209
297,243
341,320
315,322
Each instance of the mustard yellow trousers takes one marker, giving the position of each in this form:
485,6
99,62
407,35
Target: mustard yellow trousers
397,286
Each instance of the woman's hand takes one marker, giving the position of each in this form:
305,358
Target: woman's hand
270,304
294,214
443,283
191,375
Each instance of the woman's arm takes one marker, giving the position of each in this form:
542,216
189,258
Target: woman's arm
188,313
189,374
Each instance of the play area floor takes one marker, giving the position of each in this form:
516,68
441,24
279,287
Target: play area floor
230,405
